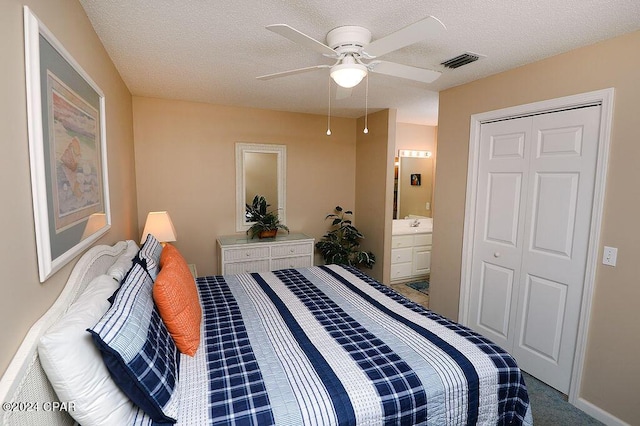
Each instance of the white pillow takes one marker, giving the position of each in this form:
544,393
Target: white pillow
122,265
74,365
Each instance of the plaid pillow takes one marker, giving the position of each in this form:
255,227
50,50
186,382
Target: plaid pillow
137,349
149,254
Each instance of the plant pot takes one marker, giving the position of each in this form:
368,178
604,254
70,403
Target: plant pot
271,233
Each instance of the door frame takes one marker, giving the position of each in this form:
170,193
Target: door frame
605,99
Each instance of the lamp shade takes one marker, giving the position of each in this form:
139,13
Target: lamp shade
160,226
348,75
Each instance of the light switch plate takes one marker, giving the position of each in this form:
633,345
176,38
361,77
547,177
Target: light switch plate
610,256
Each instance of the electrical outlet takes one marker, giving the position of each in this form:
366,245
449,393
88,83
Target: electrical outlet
610,256
427,206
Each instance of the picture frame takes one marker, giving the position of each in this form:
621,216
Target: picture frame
416,179
67,150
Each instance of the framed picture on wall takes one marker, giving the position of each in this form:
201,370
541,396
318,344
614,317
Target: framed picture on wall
415,179
67,148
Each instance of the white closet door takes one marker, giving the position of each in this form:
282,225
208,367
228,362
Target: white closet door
497,250
558,220
533,216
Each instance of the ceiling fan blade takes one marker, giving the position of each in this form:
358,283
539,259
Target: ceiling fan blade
301,38
292,72
418,31
404,71
343,92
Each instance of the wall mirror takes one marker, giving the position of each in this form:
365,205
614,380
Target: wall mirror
260,170
414,184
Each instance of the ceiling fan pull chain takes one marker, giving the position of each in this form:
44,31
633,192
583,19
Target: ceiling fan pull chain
329,111
366,104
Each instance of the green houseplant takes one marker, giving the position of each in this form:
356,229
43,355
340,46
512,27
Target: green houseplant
266,223
341,244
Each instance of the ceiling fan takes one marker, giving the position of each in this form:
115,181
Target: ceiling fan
356,54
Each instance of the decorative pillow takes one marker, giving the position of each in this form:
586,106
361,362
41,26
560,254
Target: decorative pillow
74,366
149,254
122,265
135,261
137,349
176,297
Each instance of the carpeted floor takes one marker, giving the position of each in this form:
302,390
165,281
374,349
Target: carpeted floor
550,407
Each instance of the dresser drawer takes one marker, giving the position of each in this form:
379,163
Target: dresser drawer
240,254
242,267
291,250
401,255
291,262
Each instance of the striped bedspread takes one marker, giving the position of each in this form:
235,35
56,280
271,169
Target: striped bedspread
328,345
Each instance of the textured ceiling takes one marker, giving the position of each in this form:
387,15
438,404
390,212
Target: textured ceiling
211,51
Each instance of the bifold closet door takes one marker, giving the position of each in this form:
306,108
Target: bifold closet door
497,249
533,218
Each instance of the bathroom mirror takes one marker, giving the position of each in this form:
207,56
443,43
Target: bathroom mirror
414,184
260,170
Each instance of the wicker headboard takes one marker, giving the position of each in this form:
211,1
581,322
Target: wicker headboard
24,381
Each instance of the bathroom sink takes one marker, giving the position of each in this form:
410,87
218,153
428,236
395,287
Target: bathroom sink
403,226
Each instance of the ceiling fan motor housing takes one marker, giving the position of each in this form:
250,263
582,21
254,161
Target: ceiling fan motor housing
348,39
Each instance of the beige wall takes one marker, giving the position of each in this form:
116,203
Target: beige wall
415,136
612,369
185,164
24,299
374,188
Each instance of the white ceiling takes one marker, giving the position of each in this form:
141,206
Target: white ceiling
212,50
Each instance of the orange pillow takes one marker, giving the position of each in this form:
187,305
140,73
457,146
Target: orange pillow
176,297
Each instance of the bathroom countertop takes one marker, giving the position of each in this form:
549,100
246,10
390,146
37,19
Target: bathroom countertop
403,227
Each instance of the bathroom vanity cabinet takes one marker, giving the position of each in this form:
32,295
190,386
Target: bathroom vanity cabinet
410,256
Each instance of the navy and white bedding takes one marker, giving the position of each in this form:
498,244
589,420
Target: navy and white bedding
328,345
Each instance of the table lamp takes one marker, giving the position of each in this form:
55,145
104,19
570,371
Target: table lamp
160,226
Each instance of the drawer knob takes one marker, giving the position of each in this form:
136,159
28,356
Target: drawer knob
496,254
246,254
291,250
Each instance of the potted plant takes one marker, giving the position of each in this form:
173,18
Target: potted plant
341,245
266,223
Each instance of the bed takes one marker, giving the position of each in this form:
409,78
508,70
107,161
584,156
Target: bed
319,346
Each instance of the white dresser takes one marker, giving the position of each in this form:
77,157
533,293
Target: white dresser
410,256
239,253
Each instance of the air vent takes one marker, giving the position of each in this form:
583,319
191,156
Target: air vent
460,60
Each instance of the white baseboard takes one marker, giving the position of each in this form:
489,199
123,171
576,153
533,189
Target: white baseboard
598,413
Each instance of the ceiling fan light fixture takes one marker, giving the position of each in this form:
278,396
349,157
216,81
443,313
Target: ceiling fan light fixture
348,75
